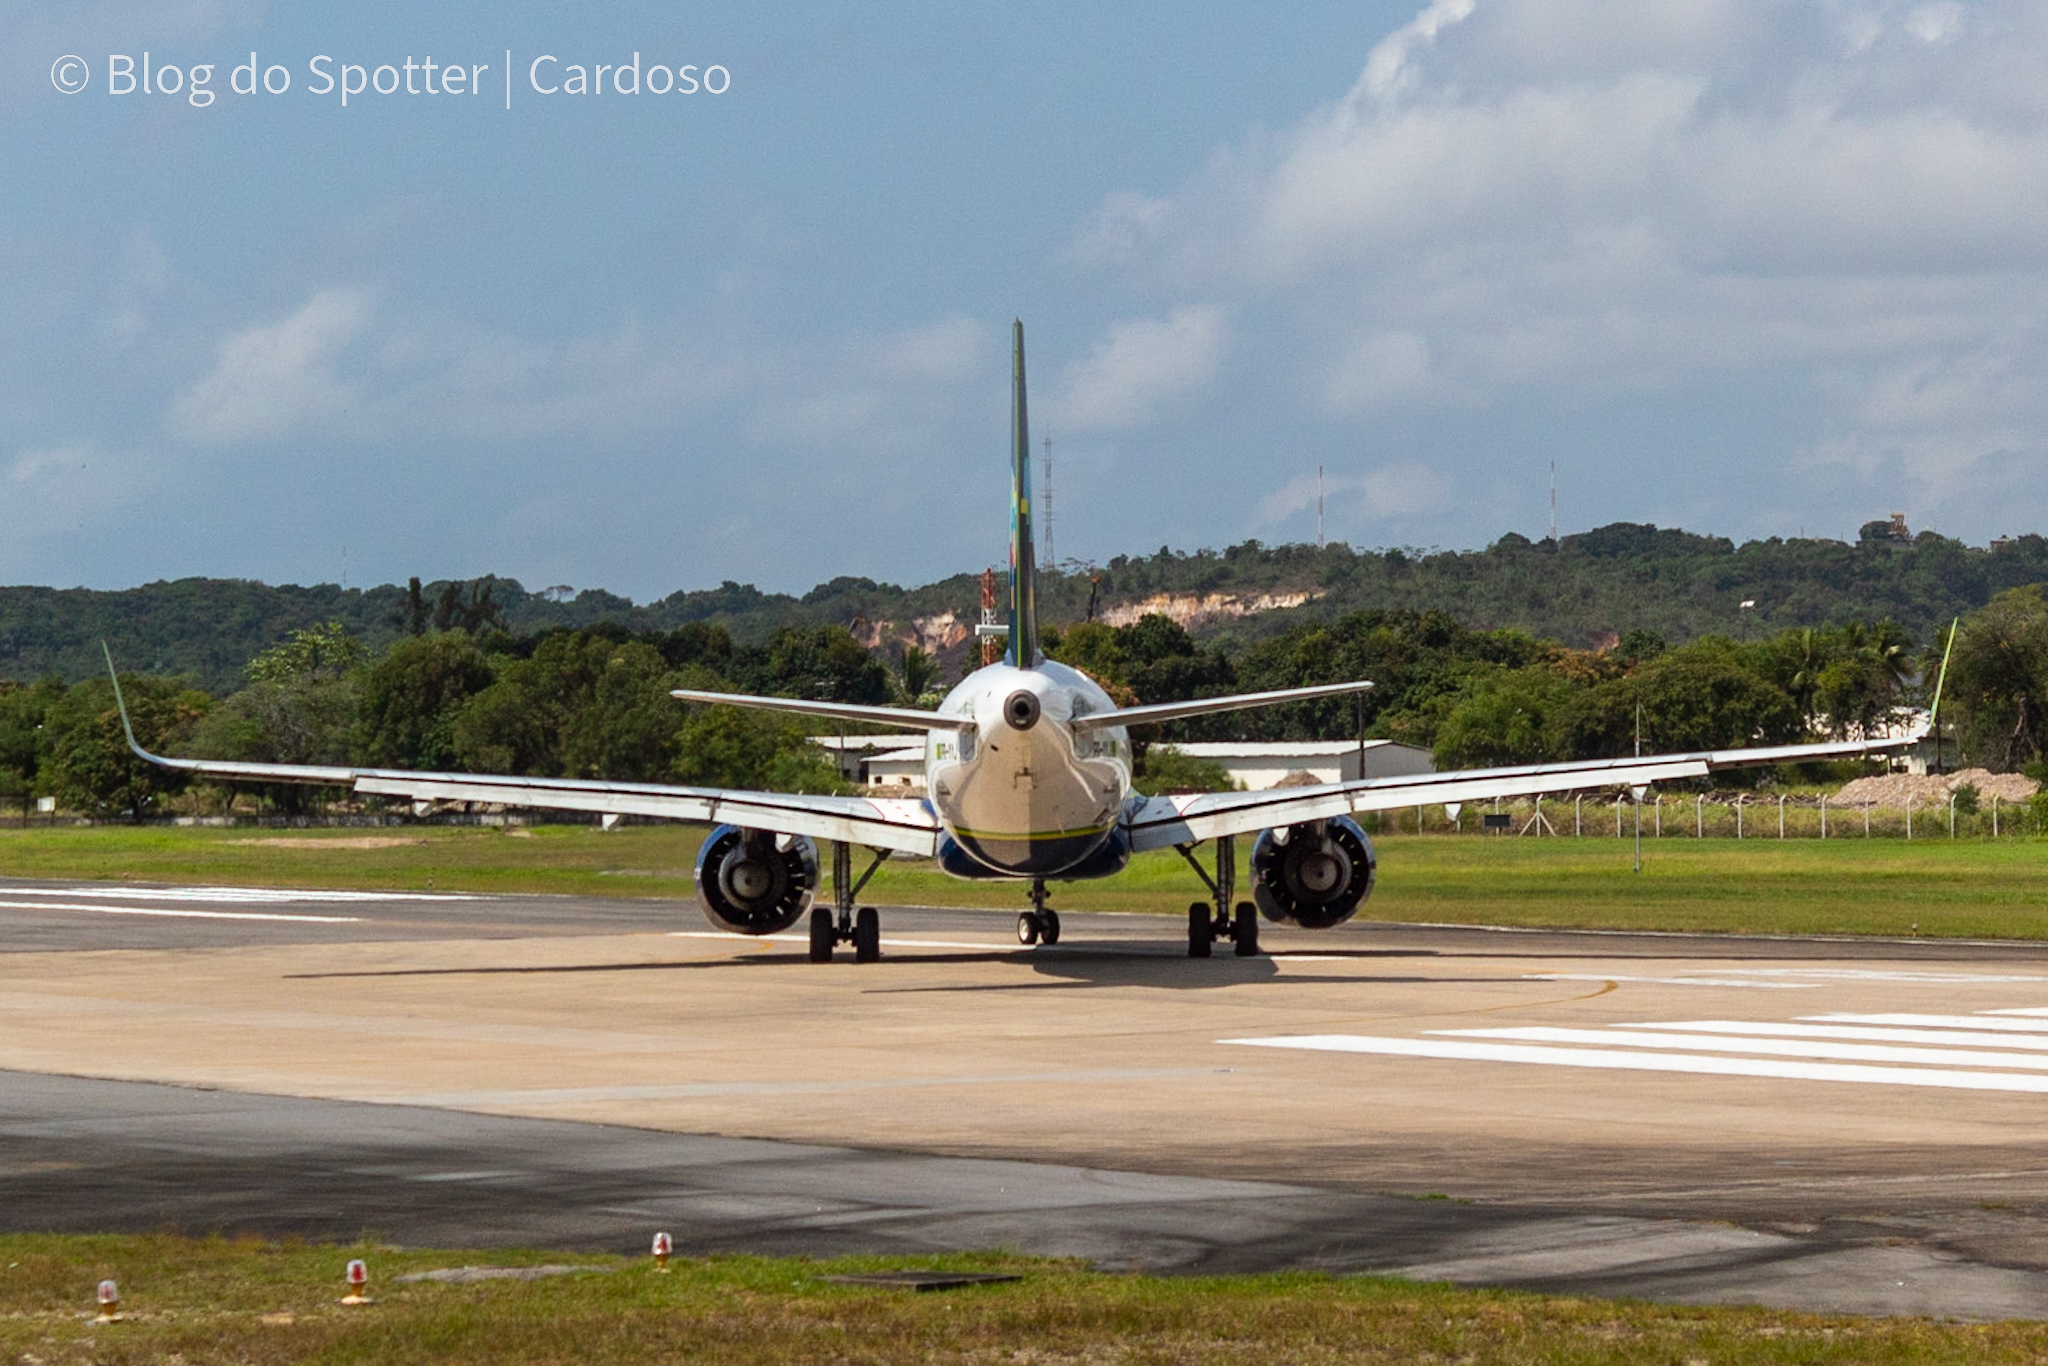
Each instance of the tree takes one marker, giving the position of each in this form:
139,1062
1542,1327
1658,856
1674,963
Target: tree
821,663
1504,716
24,740
1998,681
90,767
299,708
1165,769
410,699
916,674
751,750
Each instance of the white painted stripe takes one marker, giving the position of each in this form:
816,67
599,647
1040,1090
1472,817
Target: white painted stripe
1936,1022
1667,981
229,894
1623,1061
1776,1048
168,913
1893,975
1960,1038
2020,1010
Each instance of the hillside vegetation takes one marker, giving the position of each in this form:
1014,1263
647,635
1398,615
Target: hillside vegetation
1584,591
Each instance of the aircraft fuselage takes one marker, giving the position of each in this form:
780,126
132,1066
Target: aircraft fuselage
1021,794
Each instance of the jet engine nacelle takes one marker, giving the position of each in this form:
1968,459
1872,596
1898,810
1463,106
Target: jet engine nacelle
1314,875
756,882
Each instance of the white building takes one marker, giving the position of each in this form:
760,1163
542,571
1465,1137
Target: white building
1260,766
894,763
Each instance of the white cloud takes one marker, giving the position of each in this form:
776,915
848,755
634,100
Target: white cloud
1398,490
53,489
882,394
276,378
1576,208
1142,366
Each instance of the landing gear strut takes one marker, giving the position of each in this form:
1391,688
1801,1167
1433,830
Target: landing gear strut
1209,922
1040,924
842,924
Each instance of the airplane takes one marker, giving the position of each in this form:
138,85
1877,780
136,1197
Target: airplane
1028,775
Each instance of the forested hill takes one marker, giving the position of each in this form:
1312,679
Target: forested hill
1583,591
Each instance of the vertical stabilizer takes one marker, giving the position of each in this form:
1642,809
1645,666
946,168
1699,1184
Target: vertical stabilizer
1023,558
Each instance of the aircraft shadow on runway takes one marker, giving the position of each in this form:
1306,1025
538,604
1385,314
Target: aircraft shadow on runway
1069,965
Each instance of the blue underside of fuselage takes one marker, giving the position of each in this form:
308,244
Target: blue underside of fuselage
1068,857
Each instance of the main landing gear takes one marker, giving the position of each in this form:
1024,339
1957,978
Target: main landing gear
841,923
1040,924
1209,922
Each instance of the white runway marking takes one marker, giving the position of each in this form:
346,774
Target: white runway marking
1990,1020
1959,1038
1777,1048
1666,981
233,896
1697,1064
1849,1052
179,914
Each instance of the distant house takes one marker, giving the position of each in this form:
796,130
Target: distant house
858,754
1260,766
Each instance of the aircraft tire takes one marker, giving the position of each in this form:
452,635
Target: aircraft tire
1049,927
823,935
1201,931
1027,928
867,935
1244,930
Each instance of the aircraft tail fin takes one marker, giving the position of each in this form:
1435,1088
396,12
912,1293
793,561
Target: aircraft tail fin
1023,555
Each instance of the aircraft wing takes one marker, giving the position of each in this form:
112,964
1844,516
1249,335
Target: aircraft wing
879,823
1163,821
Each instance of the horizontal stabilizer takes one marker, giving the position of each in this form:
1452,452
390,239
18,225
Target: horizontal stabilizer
1206,706
907,717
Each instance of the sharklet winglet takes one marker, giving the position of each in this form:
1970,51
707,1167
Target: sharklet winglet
121,703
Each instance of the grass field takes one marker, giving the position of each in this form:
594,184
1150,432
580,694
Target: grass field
1975,888
246,1301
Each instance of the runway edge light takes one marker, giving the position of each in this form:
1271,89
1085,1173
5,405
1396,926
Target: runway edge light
358,1283
664,1247
110,1303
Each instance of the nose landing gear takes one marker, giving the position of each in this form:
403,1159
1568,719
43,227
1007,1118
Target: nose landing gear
1040,924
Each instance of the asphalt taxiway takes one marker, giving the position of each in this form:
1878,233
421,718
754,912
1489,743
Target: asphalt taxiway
1825,1124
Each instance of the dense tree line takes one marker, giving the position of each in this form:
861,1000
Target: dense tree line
594,701
1584,590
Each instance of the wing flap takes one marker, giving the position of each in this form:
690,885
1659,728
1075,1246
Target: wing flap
1163,821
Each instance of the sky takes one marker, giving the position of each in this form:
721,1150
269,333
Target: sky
1748,267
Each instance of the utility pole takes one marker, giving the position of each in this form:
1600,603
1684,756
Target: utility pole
1050,558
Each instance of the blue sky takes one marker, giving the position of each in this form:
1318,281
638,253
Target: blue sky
1748,268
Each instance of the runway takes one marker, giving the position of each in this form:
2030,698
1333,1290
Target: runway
1823,1124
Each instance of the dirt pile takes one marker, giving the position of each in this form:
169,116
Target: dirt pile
1893,789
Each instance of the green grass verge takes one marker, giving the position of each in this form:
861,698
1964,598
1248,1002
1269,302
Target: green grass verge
247,1301
1973,888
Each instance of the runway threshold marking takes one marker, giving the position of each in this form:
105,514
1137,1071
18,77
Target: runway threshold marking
181,913
1862,1053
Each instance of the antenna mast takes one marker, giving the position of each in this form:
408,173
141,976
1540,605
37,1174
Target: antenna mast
1050,558
1553,502
1319,507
